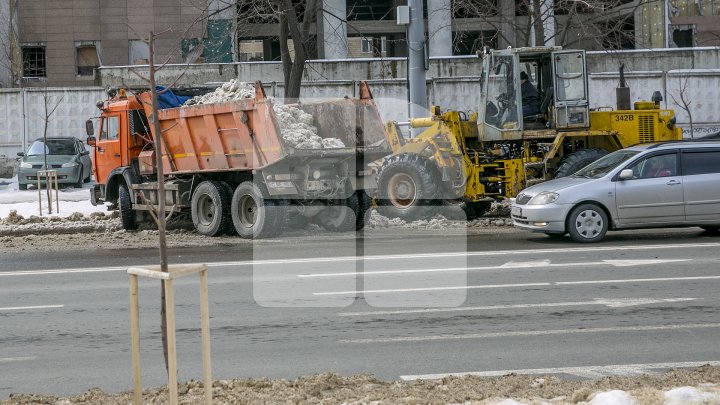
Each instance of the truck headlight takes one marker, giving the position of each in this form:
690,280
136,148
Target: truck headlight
25,165
70,164
546,197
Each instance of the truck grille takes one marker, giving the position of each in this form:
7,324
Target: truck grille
647,128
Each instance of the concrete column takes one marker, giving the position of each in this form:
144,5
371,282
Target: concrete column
440,27
416,60
508,28
332,30
6,42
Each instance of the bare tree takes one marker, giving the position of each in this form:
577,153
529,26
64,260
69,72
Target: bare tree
50,106
681,98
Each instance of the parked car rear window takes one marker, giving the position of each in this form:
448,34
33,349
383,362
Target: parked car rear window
704,162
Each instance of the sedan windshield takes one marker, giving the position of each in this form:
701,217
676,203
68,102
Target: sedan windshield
605,164
54,147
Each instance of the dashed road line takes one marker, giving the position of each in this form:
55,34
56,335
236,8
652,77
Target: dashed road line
552,332
31,307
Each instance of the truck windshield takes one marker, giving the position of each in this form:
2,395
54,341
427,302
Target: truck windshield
605,164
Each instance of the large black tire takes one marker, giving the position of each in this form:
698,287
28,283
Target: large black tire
364,205
464,210
407,188
127,214
711,229
577,160
208,208
230,229
587,223
339,215
254,216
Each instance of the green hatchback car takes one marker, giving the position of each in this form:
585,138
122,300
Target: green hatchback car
65,155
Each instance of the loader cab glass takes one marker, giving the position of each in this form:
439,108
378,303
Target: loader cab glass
501,108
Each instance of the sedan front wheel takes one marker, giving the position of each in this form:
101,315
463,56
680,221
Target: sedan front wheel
587,223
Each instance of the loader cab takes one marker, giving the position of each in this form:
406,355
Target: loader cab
560,78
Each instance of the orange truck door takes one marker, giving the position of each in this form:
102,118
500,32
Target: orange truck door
107,148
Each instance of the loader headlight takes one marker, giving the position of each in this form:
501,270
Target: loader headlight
546,197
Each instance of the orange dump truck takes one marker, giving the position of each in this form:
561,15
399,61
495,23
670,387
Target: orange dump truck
228,166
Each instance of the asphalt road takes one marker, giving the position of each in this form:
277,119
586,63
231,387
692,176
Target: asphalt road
426,304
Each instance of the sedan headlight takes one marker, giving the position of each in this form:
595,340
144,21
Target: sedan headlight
546,197
70,164
25,165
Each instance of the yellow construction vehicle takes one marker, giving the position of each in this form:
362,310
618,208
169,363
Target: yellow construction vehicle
470,159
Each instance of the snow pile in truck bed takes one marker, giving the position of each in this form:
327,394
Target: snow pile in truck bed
296,126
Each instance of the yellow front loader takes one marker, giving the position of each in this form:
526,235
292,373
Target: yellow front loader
469,160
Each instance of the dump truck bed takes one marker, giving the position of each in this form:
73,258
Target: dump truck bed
245,135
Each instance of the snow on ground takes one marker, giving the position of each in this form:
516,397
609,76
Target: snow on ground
25,202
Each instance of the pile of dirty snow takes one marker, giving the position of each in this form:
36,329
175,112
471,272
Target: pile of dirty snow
296,126
698,386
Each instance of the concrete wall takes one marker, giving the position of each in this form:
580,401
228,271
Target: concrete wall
22,114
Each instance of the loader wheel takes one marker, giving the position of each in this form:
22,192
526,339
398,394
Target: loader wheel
127,214
339,215
577,160
587,223
254,216
463,210
407,188
208,208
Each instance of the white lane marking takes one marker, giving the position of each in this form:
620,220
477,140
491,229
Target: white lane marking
382,257
14,359
552,332
62,271
610,302
509,265
613,370
31,307
546,284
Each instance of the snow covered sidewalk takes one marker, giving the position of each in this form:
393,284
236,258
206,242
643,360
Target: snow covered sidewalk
72,200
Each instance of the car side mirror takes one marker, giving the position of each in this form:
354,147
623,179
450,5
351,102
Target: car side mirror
21,154
90,141
89,129
84,153
626,174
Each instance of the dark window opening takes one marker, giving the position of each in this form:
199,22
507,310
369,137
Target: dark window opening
87,60
619,34
475,9
370,10
683,36
34,61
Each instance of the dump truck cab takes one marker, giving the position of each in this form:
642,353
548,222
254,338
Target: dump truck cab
123,132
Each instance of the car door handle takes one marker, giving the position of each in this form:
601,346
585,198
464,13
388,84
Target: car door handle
672,183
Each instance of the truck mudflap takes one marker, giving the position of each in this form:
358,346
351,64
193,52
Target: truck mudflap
97,194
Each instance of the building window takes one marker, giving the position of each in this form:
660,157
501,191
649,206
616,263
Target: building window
682,36
87,57
138,52
373,45
34,61
193,50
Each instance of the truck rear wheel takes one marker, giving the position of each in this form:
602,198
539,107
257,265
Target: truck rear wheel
340,215
364,205
577,160
127,214
407,188
209,208
254,216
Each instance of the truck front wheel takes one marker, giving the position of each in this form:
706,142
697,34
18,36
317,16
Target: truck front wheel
209,208
577,160
127,214
254,216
